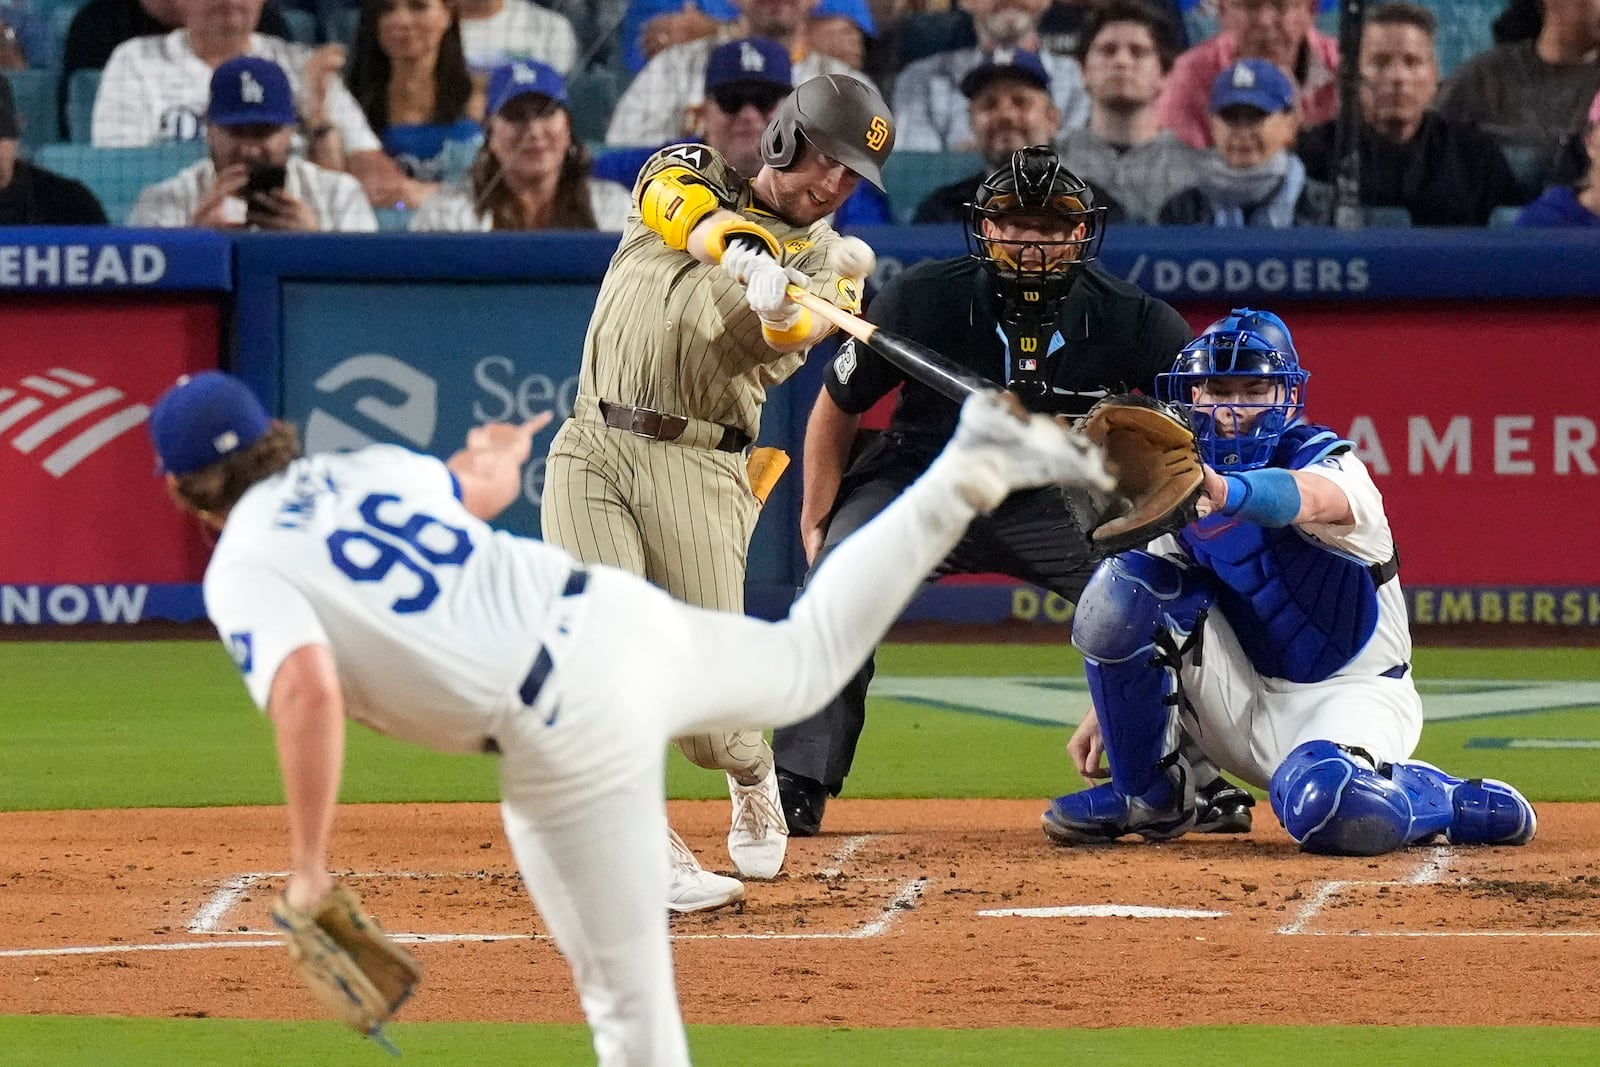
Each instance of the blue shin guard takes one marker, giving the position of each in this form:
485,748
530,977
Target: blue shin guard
1132,601
1333,803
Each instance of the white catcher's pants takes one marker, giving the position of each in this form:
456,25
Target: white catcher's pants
582,771
1248,724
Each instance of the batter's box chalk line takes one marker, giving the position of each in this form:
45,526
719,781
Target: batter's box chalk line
207,920
1432,870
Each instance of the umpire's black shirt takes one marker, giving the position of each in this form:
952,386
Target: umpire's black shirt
1114,339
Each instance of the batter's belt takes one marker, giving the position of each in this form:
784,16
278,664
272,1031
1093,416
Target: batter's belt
661,426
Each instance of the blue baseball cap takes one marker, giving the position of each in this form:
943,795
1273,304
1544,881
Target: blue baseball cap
1256,83
250,91
752,60
1006,63
856,11
204,418
522,78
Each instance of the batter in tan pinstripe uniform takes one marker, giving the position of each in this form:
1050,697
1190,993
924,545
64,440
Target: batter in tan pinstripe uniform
691,327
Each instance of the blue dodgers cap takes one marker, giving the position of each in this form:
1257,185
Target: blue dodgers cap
248,91
857,11
205,418
756,60
1006,63
1256,83
521,78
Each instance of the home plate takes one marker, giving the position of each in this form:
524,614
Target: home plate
1101,911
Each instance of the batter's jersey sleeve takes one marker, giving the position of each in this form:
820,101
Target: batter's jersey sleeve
1369,538
260,617
703,161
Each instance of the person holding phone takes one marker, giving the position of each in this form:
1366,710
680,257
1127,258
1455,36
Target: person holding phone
248,180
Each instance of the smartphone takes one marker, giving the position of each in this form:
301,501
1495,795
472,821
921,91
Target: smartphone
265,180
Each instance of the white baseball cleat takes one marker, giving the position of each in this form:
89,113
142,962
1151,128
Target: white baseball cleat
693,887
758,836
1004,453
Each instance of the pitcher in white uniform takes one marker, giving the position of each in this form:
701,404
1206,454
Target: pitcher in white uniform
369,584
1273,628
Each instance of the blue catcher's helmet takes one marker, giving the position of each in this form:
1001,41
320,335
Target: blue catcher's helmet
1244,344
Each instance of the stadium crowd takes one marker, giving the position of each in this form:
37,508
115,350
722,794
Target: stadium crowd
473,115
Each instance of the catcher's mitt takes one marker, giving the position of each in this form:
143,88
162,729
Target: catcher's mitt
1152,453
356,971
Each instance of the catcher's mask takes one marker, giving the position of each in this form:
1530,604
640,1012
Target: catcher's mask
1245,345
1034,188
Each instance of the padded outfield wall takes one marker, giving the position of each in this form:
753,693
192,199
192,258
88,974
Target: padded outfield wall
1458,362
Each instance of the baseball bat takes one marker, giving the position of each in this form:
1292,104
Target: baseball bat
938,372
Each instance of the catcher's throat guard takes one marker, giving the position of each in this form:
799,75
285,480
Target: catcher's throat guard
1152,453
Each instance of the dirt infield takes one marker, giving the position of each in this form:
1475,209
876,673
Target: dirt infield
941,913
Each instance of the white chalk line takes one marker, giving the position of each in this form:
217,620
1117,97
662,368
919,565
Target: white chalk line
843,854
905,899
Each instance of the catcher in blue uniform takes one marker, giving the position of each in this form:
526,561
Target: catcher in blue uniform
1272,630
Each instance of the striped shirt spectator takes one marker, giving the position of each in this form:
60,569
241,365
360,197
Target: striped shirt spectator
495,32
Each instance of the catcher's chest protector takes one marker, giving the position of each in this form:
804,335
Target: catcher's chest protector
1301,611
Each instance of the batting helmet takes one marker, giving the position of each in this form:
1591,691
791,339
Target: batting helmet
1035,184
1243,344
841,117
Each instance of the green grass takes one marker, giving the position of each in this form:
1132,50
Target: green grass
104,1042
90,725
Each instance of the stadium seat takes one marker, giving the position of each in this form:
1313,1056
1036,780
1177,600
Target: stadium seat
1530,166
115,175
35,93
1504,215
302,25
81,90
393,220
1385,218
908,177
927,32
592,94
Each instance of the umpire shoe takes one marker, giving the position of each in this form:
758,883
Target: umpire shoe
757,838
802,800
1222,808
694,888
999,452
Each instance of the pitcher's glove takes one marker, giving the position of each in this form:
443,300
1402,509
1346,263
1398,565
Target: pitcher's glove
352,966
1152,453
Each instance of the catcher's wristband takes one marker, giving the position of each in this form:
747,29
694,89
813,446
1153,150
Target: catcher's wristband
1266,497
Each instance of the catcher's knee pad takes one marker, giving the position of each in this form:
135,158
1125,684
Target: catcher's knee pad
1333,803
744,754
1129,599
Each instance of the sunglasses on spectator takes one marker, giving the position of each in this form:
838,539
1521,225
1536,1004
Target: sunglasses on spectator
733,99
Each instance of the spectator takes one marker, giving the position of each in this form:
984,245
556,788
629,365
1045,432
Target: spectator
652,26
658,103
841,29
746,79
32,196
1529,94
929,104
25,37
1577,204
154,89
1126,49
101,25
1011,109
1520,21
1444,172
1279,31
410,77
494,32
529,174
1251,178
249,179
